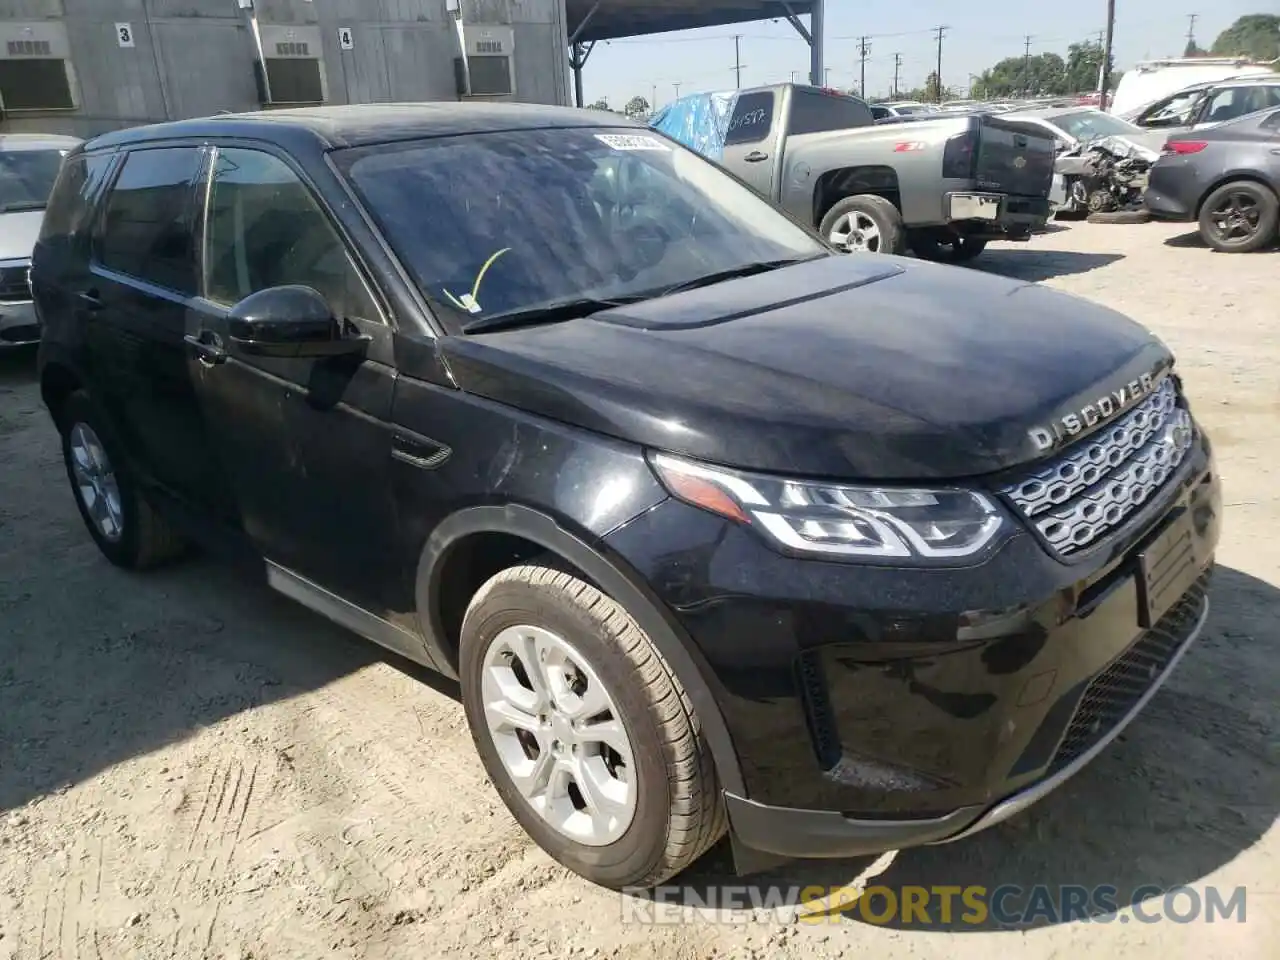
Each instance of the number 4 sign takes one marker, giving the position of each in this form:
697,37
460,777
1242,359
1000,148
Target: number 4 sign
124,34
345,40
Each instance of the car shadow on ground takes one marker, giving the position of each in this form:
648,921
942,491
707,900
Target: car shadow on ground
1184,240
1188,787
1035,265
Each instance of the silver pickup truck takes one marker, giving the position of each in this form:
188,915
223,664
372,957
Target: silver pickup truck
942,187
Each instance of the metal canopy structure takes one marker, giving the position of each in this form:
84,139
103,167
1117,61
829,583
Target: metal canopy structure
590,21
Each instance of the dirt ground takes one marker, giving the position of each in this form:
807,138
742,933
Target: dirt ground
192,767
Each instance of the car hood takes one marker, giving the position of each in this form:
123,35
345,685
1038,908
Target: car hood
18,233
858,366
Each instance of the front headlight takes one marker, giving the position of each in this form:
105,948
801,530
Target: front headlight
837,519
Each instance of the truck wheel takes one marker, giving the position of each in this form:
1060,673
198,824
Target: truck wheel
865,223
953,250
1239,217
124,526
585,731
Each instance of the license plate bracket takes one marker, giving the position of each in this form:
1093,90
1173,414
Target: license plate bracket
1167,568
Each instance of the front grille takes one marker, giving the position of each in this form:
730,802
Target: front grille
1097,484
1113,693
13,284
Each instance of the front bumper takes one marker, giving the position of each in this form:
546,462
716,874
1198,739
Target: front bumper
996,214
877,708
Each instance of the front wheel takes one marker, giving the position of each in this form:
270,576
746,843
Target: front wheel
1239,217
585,731
864,224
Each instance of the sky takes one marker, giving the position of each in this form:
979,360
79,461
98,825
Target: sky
981,32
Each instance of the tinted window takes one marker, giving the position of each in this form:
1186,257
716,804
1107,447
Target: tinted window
69,204
752,118
819,112
265,229
1174,110
146,227
1271,122
26,178
499,222
879,113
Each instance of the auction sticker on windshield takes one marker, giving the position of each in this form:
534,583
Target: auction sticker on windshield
621,141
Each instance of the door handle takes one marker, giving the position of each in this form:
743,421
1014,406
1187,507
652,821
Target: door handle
207,346
90,300
755,156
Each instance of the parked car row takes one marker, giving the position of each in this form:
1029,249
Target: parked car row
720,529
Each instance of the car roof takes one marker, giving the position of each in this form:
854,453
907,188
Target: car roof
1044,113
36,141
353,125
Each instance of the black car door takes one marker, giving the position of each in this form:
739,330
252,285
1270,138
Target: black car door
306,442
135,300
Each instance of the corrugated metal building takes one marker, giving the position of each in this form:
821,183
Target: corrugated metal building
86,66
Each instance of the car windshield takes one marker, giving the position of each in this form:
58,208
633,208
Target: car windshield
26,178
513,222
1087,124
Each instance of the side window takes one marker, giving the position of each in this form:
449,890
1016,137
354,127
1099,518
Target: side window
820,112
879,113
265,229
1228,104
1271,123
69,204
752,118
146,228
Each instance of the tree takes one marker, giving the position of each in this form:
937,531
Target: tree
1045,74
1083,63
1192,49
637,108
601,104
1256,35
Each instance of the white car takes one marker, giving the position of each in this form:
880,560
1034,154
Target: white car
29,164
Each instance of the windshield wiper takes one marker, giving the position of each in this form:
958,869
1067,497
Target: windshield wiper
743,270
19,206
551,313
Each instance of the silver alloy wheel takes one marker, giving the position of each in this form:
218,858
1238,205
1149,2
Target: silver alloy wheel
96,484
559,734
855,231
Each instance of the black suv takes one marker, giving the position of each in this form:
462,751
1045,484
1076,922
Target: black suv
716,527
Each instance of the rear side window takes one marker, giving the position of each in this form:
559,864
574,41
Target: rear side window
1271,122
879,113
820,112
146,229
752,118
69,205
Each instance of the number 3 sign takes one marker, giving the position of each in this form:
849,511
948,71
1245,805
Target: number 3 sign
124,34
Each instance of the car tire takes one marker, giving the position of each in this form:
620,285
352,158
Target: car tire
125,527
957,250
656,781
1121,216
1262,216
865,223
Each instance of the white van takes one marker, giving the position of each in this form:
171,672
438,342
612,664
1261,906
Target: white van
1150,80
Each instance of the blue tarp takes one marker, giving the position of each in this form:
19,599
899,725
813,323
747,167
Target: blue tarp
699,121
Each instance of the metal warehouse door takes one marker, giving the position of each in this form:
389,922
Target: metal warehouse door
207,67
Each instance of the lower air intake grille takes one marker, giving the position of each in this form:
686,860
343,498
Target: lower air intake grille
1114,692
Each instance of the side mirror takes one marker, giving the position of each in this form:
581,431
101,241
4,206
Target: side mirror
290,321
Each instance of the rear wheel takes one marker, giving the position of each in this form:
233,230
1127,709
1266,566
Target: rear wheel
1239,217
585,731
124,526
865,223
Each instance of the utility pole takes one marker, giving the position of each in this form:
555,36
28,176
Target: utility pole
938,74
897,65
1106,55
864,49
737,59
826,77
653,103
1026,68
1191,28
677,86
